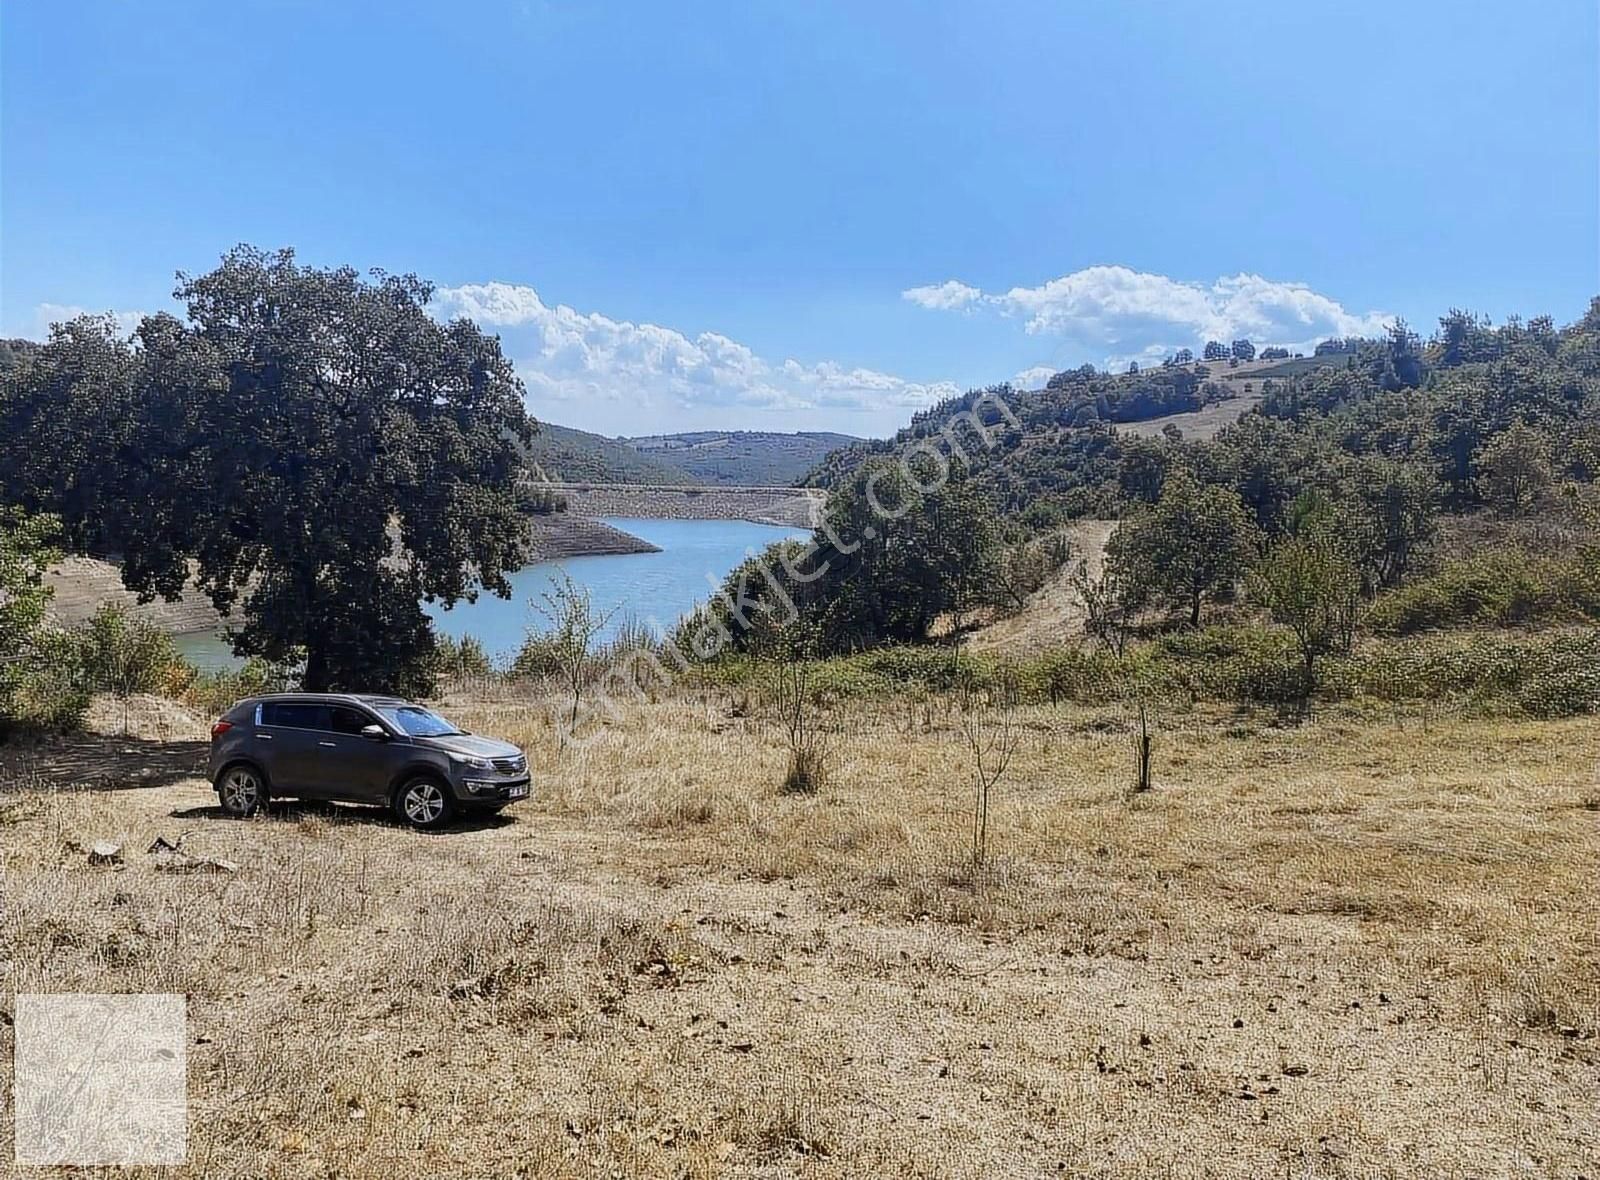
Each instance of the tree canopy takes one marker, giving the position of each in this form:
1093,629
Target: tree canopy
1193,544
326,454
1310,582
903,543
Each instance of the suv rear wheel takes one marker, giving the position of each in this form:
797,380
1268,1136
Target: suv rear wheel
424,802
241,790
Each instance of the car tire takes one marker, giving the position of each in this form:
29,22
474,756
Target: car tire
424,802
241,790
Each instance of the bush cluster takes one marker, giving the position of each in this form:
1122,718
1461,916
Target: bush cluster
49,692
1554,675
1505,674
117,653
1497,588
113,652
458,659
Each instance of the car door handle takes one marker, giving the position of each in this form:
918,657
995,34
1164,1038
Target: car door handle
265,737
330,745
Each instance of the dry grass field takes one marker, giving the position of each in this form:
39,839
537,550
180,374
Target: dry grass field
1200,424
1365,947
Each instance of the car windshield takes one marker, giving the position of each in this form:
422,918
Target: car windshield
419,722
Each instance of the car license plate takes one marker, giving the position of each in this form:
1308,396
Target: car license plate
517,792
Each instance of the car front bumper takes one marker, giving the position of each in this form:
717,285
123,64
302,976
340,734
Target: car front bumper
494,792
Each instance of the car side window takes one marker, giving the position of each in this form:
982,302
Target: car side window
284,715
350,721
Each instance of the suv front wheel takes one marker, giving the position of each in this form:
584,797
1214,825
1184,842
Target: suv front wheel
424,802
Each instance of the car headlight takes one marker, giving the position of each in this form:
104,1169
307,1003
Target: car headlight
472,761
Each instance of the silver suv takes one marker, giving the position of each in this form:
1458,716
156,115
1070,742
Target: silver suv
362,749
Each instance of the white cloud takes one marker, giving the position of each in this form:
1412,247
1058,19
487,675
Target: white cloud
564,355
47,314
950,295
1035,377
1126,314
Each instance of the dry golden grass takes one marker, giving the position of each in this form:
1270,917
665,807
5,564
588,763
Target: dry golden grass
1358,948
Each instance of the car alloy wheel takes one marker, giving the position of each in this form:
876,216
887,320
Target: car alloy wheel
239,791
424,803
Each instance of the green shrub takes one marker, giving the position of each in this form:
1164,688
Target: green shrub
26,668
539,658
631,634
1233,663
1498,588
1545,676
125,655
113,652
214,692
1077,674
845,677
49,691
461,658
937,669
1503,674
1561,687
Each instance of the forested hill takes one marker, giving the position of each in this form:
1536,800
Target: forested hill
742,457
739,458
1066,424
564,454
1093,443
14,352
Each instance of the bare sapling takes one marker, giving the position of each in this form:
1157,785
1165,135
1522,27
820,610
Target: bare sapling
992,737
1143,743
573,626
810,751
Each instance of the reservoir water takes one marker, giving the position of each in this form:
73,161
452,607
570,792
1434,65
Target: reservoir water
654,588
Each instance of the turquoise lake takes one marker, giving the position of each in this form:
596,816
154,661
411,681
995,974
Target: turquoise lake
657,588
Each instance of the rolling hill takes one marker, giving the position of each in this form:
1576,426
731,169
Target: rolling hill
576,456
740,457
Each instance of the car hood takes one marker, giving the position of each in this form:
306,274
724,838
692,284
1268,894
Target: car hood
470,743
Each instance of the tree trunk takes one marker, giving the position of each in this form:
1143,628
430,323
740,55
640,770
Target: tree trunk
316,673
1194,610
316,676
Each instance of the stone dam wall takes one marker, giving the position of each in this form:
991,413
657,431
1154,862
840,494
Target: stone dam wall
789,507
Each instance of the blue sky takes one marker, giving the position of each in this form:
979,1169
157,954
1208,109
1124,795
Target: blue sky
814,215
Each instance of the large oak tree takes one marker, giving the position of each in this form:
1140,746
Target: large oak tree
327,453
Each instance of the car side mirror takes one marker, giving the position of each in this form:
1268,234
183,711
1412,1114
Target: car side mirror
375,733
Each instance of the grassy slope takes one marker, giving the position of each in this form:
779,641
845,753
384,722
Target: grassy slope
742,457
1348,949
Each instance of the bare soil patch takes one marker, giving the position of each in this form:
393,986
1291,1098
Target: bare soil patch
1054,614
